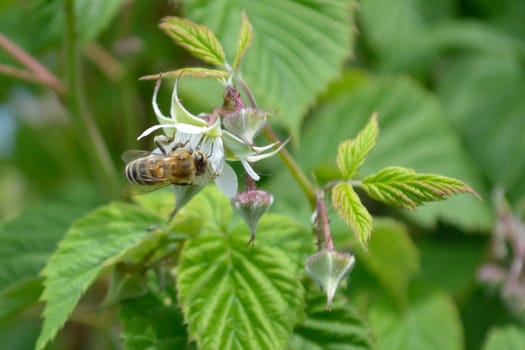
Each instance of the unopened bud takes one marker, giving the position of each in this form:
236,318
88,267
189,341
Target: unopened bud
328,268
252,204
245,123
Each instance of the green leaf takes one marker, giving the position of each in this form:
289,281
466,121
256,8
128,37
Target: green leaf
392,258
415,133
123,285
279,231
189,72
91,244
92,17
210,210
244,41
450,259
18,296
430,322
197,39
340,328
235,297
351,154
151,323
505,338
349,206
289,63
493,127
403,187
27,241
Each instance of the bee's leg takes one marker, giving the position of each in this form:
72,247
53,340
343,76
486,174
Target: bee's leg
161,141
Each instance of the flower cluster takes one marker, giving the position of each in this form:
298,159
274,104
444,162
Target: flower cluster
227,133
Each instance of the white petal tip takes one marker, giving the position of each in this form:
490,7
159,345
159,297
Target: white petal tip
227,181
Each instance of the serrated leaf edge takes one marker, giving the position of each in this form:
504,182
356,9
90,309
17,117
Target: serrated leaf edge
351,154
359,220
399,192
186,34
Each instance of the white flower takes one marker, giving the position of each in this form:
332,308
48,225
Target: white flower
195,133
234,143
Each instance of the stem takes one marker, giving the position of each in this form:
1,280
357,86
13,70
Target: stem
323,226
250,183
294,169
248,92
115,71
21,74
354,183
95,145
104,61
38,73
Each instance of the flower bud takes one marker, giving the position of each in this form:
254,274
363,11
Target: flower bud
328,268
245,123
252,204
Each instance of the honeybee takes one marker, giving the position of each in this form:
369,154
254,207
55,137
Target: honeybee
152,171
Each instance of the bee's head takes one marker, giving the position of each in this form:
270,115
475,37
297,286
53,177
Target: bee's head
200,157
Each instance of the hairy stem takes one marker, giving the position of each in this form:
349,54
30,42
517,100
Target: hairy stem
323,226
37,72
290,163
293,168
95,144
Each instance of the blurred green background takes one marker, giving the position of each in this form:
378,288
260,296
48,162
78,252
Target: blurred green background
447,78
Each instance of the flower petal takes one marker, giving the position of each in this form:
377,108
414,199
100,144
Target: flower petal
250,170
235,147
214,150
153,128
179,114
265,148
256,158
227,181
160,116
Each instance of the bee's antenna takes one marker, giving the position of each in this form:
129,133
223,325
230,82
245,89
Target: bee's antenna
211,152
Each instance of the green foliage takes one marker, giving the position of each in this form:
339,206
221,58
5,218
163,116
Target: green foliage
414,134
405,188
191,72
150,322
505,338
197,39
430,322
244,41
392,258
35,234
340,328
92,244
256,297
351,154
289,63
27,242
446,80
92,17
494,125
353,212
18,296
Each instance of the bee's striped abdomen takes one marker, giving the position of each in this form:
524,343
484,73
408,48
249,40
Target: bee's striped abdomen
139,172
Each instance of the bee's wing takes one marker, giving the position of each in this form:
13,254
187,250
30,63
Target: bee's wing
133,189
133,154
